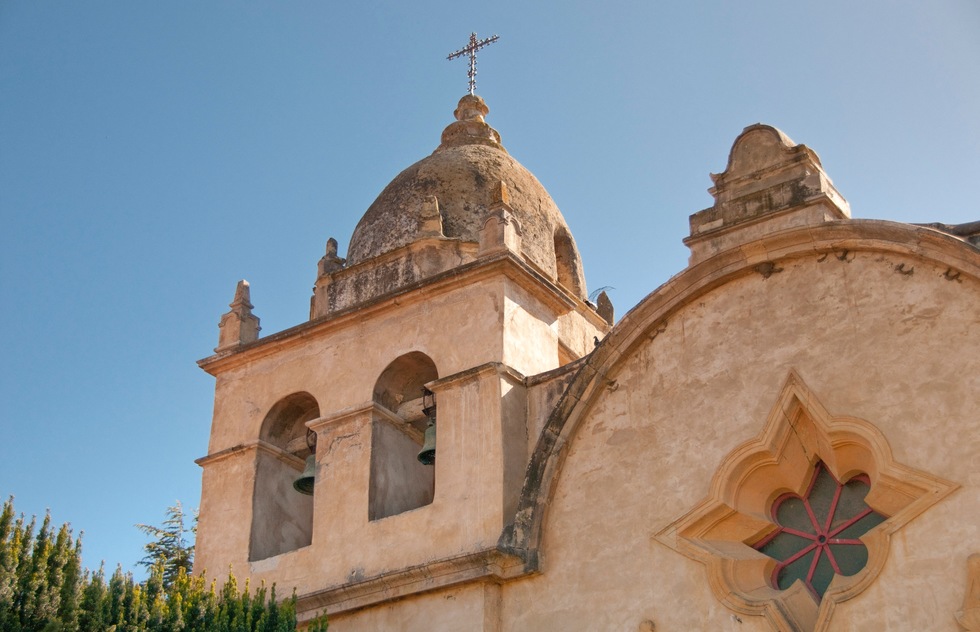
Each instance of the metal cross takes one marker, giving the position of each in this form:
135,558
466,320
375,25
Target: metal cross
470,50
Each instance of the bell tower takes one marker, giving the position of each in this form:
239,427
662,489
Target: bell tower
460,280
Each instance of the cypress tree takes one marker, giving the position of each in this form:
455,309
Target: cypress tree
49,601
44,589
35,609
24,544
258,609
174,621
115,596
156,605
8,557
319,624
71,584
92,611
8,563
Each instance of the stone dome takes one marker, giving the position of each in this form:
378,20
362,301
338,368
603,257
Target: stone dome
463,174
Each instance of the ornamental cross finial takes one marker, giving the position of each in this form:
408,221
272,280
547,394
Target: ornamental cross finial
470,49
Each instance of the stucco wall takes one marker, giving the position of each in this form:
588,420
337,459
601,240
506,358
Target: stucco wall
879,320
473,607
871,340
467,329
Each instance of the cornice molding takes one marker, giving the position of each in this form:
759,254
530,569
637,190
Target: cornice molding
489,565
504,263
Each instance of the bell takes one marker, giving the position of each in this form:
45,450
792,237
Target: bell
304,484
427,455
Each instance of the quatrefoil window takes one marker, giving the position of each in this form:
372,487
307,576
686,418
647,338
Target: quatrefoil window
818,534
819,542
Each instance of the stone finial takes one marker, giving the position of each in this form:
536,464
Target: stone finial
604,307
500,194
471,108
330,262
239,325
430,218
470,128
769,184
969,616
501,231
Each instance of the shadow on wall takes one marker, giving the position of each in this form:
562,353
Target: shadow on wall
398,481
282,518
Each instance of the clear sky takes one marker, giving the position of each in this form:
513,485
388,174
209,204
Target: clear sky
153,153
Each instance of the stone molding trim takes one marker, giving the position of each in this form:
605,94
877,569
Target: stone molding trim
490,565
499,368
798,434
249,447
652,316
504,263
340,416
969,615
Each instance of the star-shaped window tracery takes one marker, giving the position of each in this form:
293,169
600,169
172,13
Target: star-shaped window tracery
805,452
818,532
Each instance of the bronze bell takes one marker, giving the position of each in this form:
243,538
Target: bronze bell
304,484
427,455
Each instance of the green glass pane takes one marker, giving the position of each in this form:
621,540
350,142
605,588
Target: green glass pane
822,495
822,575
851,558
784,546
794,571
861,527
792,514
851,502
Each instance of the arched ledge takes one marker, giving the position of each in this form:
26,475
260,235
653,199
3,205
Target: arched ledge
840,238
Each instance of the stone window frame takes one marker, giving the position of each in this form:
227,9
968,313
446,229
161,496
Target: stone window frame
799,433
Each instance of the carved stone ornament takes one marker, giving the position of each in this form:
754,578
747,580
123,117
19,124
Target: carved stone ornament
799,437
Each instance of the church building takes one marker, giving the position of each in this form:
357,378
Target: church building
784,436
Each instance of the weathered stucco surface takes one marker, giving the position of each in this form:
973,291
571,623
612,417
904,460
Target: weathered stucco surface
467,327
463,175
576,463
475,607
898,350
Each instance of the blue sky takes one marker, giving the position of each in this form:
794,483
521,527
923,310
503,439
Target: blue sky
152,154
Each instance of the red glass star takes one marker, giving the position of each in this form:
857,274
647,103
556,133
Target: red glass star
818,534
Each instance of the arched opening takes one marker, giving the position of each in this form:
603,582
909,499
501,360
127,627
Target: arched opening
566,262
282,518
398,481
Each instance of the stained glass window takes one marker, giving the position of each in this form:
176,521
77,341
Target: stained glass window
818,532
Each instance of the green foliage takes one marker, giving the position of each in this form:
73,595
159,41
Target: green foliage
43,589
318,625
172,545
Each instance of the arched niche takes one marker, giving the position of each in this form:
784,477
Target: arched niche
282,518
399,482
